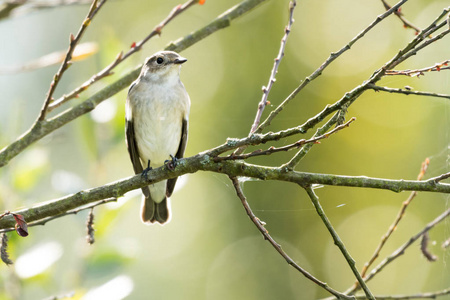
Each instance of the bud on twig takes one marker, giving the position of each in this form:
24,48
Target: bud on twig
90,227
3,250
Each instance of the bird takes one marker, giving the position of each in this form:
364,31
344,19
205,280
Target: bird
156,128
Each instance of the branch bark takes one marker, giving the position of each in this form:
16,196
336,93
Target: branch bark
205,162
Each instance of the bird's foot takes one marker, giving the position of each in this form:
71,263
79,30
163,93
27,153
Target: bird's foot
146,170
171,164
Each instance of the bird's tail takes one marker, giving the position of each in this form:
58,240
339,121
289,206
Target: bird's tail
153,210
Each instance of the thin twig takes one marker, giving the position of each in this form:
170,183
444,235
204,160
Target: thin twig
260,225
44,221
337,240
82,51
429,295
425,43
325,64
398,13
401,250
271,150
95,7
397,220
421,37
121,57
441,177
350,97
406,91
295,160
266,89
15,8
420,72
41,129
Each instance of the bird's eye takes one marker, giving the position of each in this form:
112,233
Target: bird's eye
159,60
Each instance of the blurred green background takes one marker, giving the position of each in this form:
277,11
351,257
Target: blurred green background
210,249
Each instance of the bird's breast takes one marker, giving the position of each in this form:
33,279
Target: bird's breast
157,112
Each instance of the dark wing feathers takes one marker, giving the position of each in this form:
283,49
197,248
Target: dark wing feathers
134,153
179,154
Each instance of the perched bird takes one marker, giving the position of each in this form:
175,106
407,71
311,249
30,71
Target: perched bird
156,126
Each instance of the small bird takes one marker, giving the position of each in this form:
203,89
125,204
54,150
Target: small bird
156,127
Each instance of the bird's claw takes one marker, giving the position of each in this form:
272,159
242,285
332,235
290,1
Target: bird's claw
146,170
171,164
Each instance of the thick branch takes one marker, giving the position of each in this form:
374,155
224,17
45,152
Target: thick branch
205,162
69,212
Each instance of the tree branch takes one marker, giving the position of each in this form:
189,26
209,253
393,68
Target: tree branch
95,7
350,97
69,212
121,57
333,56
397,220
205,162
41,129
266,89
420,72
401,250
19,7
406,91
290,165
314,140
260,225
406,23
337,240
429,295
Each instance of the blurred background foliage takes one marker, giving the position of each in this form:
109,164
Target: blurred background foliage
210,250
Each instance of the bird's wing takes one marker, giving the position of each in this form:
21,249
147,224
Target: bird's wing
134,152
179,154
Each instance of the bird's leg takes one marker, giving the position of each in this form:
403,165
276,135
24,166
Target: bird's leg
146,170
171,164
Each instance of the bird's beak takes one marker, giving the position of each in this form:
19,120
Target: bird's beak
180,60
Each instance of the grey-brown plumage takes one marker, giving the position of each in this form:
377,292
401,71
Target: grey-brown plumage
156,127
